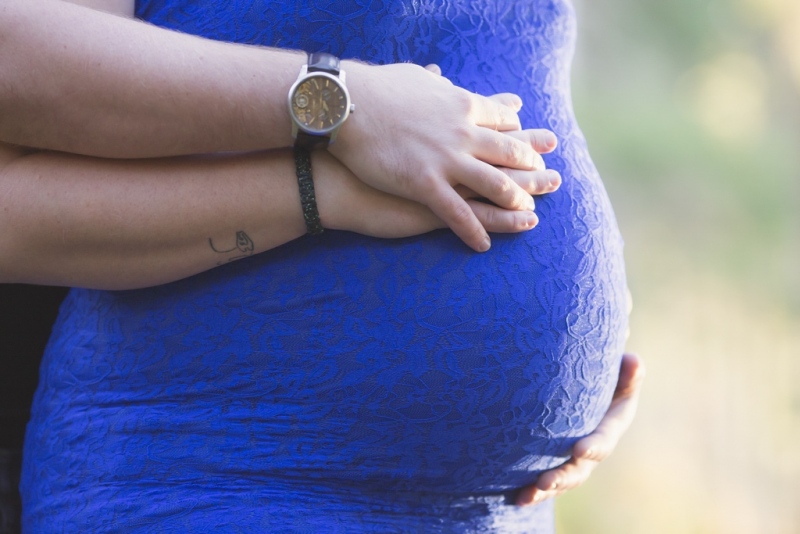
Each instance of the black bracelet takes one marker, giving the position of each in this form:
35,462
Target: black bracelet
308,201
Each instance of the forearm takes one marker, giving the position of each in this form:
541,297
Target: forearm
81,81
115,224
123,224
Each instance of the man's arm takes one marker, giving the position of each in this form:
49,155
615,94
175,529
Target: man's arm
86,82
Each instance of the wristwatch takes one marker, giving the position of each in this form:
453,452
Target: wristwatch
319,102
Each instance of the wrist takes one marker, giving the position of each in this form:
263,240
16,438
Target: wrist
319,102
360,84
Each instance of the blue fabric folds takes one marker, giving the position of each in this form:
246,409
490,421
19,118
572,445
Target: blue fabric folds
342,383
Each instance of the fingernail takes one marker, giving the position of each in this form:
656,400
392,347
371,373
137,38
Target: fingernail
554,486
551,140
589,454
531,220
486,244
555,179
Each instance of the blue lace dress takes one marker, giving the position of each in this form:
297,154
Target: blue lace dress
342,383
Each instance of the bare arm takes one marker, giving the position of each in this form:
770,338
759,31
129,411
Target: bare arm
117,224
82,81
122,224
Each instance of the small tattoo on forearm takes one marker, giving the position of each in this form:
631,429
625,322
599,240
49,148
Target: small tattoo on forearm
244,247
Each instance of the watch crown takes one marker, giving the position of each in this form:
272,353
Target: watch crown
352,108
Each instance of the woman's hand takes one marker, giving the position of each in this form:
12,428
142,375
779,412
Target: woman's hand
417,136
594,448
347,203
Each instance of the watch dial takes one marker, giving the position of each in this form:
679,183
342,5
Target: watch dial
319,103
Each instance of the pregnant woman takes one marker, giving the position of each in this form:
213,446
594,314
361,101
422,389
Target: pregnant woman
340,382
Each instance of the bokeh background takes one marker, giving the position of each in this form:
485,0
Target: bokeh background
692,112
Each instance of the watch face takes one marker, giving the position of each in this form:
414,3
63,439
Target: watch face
319,103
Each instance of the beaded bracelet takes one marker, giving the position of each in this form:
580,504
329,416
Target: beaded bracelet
308,201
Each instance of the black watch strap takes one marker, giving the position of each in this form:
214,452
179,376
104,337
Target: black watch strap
311,141
323,62
308,199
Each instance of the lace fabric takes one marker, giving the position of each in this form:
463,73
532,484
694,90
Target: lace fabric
342,383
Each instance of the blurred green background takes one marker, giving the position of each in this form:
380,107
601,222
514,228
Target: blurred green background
692,112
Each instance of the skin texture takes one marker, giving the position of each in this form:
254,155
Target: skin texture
146,226
179,94
123,224
77,209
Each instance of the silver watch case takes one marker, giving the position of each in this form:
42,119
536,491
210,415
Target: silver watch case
331,131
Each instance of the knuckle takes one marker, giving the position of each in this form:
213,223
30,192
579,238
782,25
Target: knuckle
505,115
490,219
460,211
464,102
465,135
599,453
511,117
526,180
513,151
520,222
497,186
497,117
428,183
520,153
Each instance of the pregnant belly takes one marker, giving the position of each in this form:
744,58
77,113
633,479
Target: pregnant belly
410,365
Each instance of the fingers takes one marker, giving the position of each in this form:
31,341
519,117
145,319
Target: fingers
458,215
493,114
631,375
506,99
601,443
566,477
434,68
557,481
597,446
535,182
508,149
502,221
543,141
496,186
